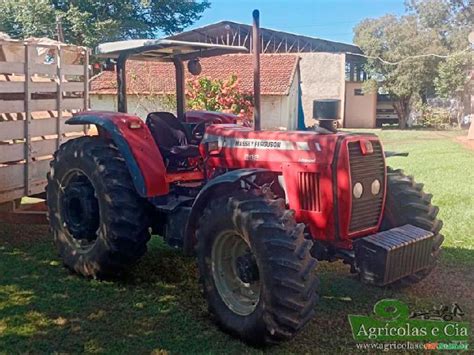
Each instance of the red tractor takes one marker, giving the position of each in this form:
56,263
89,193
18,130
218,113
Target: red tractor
258,208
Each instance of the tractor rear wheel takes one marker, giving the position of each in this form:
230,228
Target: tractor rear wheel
99,223
256,268
406,203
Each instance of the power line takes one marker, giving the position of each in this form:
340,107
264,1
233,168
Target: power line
410,57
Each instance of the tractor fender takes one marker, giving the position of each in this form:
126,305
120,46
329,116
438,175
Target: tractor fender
227,180
136,145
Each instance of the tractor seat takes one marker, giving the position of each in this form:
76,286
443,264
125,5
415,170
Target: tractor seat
170,136
185,151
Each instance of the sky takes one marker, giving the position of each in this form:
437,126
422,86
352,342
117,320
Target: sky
332,20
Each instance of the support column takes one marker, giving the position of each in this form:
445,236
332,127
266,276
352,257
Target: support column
180,88
122,83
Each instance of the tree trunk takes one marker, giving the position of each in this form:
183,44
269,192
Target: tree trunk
402,108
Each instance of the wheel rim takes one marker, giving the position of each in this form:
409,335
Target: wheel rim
235,273
79,210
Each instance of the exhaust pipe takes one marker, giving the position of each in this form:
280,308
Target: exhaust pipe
327,113
256,44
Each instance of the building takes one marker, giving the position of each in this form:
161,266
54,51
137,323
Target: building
151,85
328,69
320,69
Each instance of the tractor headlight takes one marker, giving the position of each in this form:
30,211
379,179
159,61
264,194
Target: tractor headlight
375,187
357,190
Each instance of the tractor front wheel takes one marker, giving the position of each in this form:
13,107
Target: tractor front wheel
98,221
407,203
256,268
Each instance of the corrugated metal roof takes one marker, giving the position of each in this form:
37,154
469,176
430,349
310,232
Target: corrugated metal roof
162,49
274,41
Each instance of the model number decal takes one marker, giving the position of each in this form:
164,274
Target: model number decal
251,157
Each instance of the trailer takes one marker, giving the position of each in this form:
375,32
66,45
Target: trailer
42,83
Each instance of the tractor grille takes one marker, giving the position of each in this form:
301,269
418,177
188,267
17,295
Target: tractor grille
365,169
308,187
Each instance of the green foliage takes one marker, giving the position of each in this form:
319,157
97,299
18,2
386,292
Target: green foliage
89,22
429,27
435,117
394,39
452,75
451,19
27,18
219,95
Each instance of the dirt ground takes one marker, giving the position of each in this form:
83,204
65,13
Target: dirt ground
469,143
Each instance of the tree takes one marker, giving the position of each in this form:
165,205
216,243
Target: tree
451,76
27,18
452,20
219,95
89,22
393,39
430,26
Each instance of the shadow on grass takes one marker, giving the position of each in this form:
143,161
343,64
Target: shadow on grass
44,308
157,305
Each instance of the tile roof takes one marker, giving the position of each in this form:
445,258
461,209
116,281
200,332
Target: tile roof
277,73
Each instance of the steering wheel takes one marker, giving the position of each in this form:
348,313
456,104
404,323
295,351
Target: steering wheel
198,131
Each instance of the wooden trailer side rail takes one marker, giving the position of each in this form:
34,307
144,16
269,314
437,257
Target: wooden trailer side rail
37,95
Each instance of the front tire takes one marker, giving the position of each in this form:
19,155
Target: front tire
99,223
407,203
256,268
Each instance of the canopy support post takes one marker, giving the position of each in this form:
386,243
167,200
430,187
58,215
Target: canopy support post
180,88
122,83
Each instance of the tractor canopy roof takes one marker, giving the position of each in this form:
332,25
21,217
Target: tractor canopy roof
164,50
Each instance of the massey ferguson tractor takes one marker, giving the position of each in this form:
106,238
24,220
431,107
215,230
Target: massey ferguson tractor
257,208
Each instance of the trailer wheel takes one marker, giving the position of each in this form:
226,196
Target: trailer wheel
406,203
99,223
256,268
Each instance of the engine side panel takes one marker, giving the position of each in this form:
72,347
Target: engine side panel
135,142
303,158
315,168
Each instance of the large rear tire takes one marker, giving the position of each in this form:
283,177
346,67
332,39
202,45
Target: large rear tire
406,203
99,223
256,268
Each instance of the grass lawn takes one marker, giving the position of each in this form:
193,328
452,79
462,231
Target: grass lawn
157,307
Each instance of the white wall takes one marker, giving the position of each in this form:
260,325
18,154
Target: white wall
139,106
322,77
278,111
360,110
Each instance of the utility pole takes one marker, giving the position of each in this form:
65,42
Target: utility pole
59,29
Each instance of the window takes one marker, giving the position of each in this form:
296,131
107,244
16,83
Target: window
355,72
358,92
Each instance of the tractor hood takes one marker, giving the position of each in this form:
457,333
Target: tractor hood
273,147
